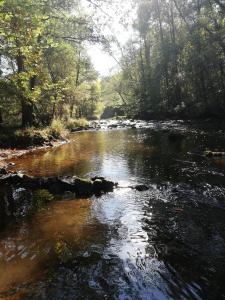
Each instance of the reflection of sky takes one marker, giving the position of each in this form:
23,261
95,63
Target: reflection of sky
123,210
115,167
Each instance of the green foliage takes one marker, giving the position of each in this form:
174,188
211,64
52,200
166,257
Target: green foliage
99,109
42,197
175,64
32,136
76,123
44,67
57,128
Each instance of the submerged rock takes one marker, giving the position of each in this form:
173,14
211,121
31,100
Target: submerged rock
3,171
176,136
214,154
141,187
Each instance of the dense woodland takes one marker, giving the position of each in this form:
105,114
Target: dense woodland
45,71
173,66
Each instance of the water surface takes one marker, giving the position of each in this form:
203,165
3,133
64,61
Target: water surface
165,243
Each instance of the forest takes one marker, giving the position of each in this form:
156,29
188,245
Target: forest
173,66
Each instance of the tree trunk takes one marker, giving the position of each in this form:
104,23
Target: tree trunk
26,105
27,113
1,119
71,110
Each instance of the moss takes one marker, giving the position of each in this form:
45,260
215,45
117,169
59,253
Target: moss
42,197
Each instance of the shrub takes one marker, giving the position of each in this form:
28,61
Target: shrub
57,128
74,123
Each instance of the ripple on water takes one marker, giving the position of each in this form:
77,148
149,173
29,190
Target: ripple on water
165,243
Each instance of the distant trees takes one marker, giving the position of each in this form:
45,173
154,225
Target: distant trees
175,65
44,68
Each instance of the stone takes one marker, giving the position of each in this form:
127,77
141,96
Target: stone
83,187
107,186
97,177
141,187
214,154
3,171
97,187
55,185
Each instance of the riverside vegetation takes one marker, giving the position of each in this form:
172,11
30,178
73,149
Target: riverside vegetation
173,66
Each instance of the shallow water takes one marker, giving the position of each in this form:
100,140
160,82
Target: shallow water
165,243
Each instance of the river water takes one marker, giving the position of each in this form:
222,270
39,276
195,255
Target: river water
164,243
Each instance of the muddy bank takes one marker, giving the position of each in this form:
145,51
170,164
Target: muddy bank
10,153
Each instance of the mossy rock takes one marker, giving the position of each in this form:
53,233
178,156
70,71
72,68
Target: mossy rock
42,197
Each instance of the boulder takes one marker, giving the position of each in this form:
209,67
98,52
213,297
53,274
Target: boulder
107,186
55,185
97,186
97,177
111,126
82,187
75,129
101,185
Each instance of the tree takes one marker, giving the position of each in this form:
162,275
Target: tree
174,65
41,42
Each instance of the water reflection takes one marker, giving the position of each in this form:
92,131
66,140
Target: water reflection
52,235
165,243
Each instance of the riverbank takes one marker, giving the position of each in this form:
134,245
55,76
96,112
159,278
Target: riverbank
16,143
10,153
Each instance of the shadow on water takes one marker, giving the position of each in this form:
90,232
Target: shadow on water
165,243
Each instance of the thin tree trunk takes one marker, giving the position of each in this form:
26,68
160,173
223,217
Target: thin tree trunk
26,105
27,113
1,118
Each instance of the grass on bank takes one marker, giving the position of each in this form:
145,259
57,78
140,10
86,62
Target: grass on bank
76,123
32,136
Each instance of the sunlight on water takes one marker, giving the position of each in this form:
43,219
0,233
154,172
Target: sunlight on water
26,249
164,243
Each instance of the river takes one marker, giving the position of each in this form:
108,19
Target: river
164,243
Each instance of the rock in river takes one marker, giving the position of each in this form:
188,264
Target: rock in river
56,185
141,187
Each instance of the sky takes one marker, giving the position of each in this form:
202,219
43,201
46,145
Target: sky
103,63
111,14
